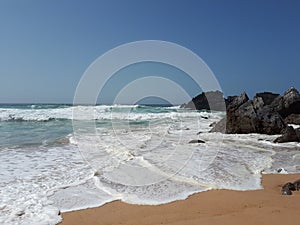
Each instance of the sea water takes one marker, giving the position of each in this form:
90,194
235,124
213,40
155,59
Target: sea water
53,161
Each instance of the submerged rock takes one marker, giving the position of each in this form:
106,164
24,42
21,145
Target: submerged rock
282,171
212,124
196,141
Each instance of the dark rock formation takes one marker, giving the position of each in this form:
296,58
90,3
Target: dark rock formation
196,141
289,134
230,99
219,126
297,185
212,124
269,122
241,119
234,114
20,213
247,116
267,97
281,170
288,188
258,103
212,100
267,113
292,119
287,104
237,101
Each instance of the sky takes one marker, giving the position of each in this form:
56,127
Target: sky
47,45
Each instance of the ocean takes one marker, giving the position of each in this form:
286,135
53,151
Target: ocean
52,160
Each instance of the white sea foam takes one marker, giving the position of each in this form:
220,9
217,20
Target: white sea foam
28,178
295,126
101,112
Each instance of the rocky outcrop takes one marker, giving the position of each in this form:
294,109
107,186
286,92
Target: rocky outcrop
212,100
250,116
269,122
267,97
289,134
237,101
267,113
287,104
219,126
292,119
241,119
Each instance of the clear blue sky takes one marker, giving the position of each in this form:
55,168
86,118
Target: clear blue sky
46,45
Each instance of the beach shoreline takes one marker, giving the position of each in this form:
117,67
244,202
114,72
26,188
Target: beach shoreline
263,207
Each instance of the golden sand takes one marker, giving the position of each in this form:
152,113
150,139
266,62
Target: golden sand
217,207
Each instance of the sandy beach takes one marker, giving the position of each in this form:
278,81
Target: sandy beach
216,207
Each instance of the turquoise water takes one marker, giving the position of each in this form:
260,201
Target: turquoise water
18,133
17,130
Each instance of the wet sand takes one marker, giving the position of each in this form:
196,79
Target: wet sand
216,207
